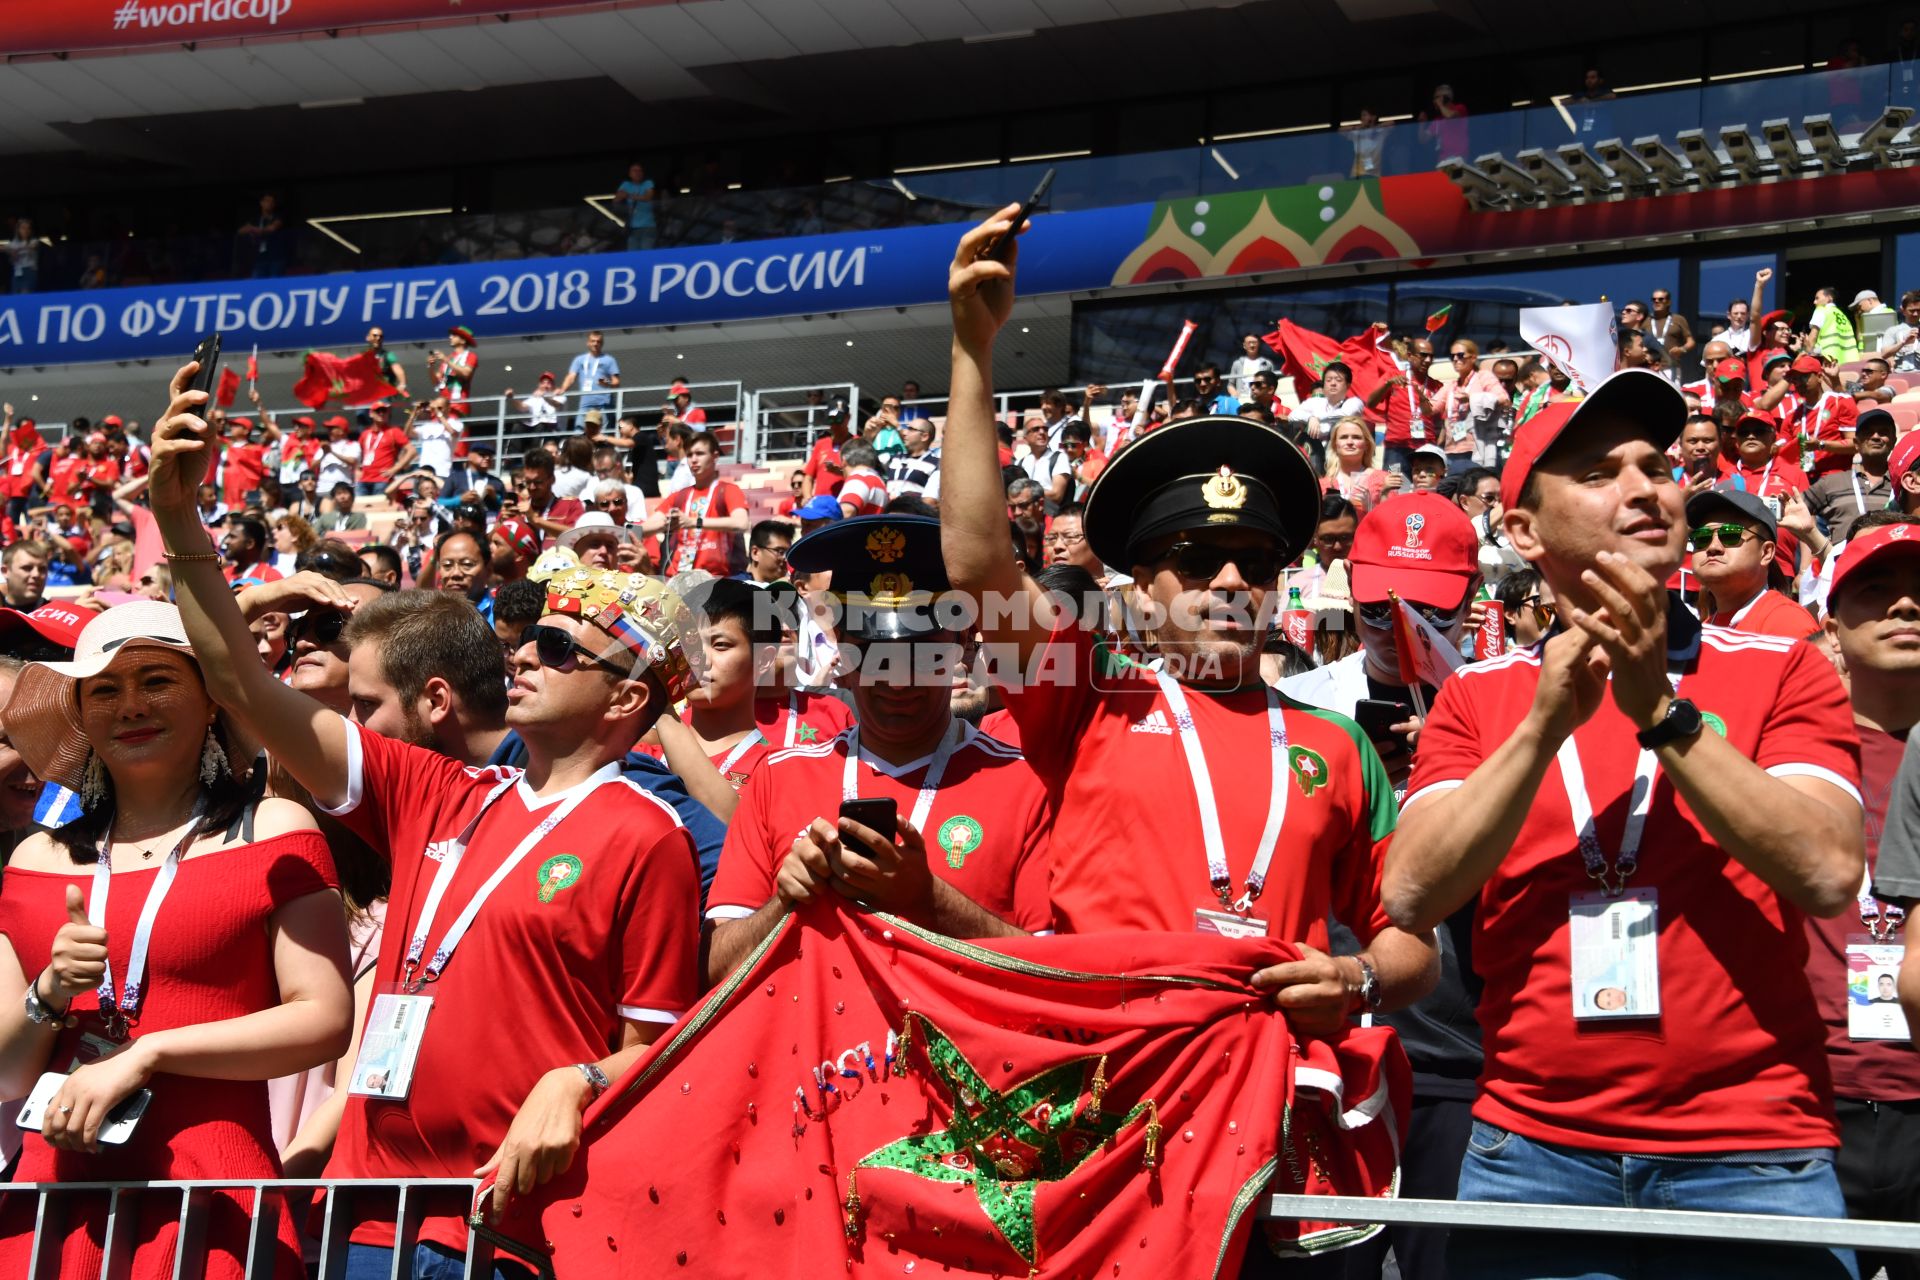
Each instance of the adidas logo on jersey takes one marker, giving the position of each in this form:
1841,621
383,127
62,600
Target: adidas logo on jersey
1152,722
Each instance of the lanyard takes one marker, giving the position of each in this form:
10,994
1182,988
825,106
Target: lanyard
929,785
793,702
740,748
456,853
1574,778
1882,919
124,1011
1210,806
1417,425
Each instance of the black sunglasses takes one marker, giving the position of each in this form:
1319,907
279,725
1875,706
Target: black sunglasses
1203,561
322,626
555,648
1379,615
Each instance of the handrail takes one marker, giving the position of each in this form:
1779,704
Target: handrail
1672,1224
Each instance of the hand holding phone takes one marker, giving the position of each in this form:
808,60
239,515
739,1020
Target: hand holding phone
1377,718
879,815
998,250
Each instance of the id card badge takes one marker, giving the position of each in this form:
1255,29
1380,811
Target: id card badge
92,1048
1616,959
1873,1002
390,1046
1228,925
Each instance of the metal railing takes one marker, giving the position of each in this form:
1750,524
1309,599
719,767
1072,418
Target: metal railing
785,421
55,1202
1670,1224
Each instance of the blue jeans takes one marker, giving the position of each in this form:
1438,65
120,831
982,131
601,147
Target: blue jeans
640,239
1502,1167
369,488
1402,456
430,1262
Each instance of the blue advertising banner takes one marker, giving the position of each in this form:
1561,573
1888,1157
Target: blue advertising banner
762,279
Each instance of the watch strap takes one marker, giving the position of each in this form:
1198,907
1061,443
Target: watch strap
1683,720
596,1078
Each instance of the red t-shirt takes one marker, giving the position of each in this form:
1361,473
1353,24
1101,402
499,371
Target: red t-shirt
379,449
796,719
258,571
1877,1070
866,491
1404,416
1832,417
1738,1062
63,477
1100,734
709,549
1780,476
536,983
986,832
17,480
1768,614
826,452
246,464
98,476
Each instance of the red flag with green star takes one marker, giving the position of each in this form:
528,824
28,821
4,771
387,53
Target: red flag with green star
1438,320
864,1098
1305,353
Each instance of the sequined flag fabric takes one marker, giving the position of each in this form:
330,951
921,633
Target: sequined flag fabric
862,1095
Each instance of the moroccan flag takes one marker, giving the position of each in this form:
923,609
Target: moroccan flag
253,366
863,1098
228,388
351,381
1438,320
1305,353
1425,656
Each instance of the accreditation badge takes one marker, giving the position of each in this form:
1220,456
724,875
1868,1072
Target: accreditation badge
1873,1002
1227,924
1614,945
390,1046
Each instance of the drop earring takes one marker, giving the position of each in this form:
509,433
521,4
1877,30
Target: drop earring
213,760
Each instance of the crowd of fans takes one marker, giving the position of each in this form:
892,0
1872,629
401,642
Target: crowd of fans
270,685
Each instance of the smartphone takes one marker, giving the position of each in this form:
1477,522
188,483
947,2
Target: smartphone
875,815
1376,717
115,1130
208,354
997,251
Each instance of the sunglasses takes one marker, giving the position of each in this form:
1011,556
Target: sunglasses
1730,535
1542,611
1460,355
1203,561
322,626
555,648
1379,615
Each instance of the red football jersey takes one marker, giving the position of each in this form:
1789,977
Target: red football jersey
866,491
245,465
986,832
63,477
795,719
1832,417
709,549
1406,424
597,924
1100,733
1722,1070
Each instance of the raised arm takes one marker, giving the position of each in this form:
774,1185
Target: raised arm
304,736
973,512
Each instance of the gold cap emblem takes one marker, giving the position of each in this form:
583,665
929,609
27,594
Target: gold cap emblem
1225,492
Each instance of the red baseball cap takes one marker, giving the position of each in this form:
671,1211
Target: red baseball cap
1761,416
112,420
1875,544
1771,316
1730,370
1807,362
57,622
1906,451
1640,395
303,421
335,421
1420,547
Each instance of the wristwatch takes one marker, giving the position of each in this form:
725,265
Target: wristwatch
1369,992
596,1078
1682,721
39,1012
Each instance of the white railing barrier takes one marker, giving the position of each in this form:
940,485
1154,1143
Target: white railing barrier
1672,1224
54,1199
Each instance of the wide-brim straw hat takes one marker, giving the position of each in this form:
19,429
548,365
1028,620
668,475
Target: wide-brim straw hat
43,715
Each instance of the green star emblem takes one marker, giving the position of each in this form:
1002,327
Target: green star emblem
1309,768
1004,1144
807,733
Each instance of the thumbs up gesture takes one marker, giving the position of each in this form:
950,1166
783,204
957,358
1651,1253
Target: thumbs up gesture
79,953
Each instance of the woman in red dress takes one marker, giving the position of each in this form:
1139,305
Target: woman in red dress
237,975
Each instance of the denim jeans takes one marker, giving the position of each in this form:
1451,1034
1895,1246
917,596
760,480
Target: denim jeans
430,1262
1503,1167
1400,455
640,239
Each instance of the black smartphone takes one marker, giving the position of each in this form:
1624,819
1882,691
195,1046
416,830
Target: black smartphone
997,251
1376,717
208,354
875,815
